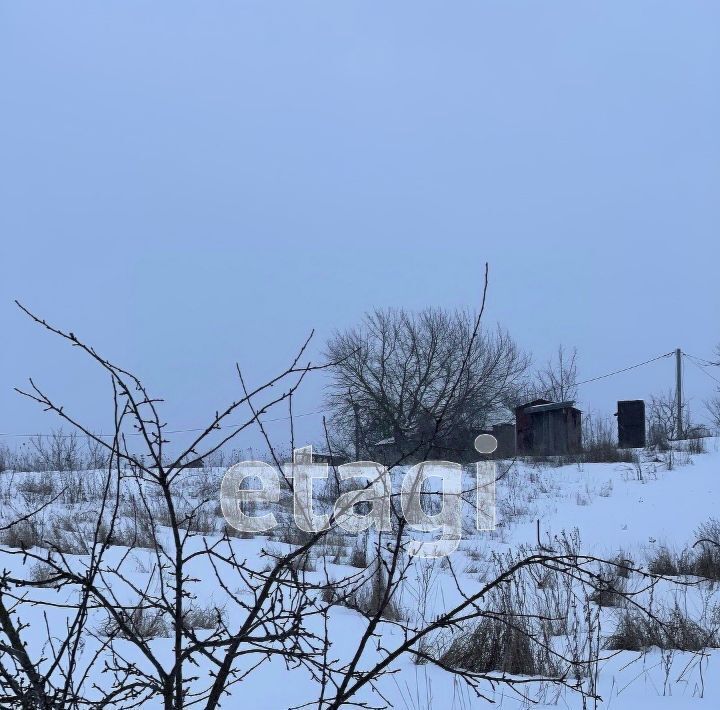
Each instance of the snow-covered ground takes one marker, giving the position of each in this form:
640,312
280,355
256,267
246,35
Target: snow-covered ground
611,509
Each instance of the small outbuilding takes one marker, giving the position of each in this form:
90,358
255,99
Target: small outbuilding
544,428
505,435
631,423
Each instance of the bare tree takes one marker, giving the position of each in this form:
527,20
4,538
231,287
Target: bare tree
713,407
397,372
138,494
662,418
713,404
57,451
557,381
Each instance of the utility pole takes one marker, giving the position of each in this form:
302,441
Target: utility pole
678,393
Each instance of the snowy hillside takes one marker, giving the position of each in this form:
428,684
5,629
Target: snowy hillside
645,514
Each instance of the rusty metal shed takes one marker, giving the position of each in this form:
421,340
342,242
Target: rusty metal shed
545,428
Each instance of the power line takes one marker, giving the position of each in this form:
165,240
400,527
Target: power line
701,368
309,414
625,369
707,363
702,360
173,431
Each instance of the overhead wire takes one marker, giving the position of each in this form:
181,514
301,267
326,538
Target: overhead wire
626,369
701,368
173,431
309,414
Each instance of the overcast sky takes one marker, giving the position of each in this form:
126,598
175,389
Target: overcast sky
191,184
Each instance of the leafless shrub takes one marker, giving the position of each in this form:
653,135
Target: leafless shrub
713,409
668,459
370,598
333,544
702,560
707,550
203,485
240,534
636,631
288,532
713,404
537,623
6,458
204,617
23,534
662,420
582,499
140,622
76,487
359,554
200,521
139,533
504,643
707,562
38,487
623,564
474,568
610,590
606,489
303,563
96,455
695,443
44,574
64,537
57,452
328,594
600,442
666,562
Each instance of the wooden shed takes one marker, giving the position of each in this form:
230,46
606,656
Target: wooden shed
545,428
